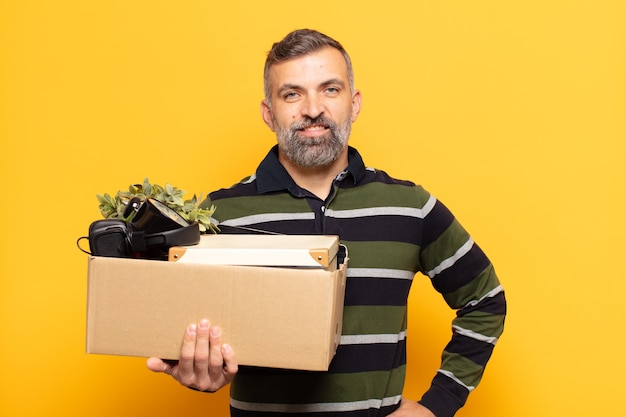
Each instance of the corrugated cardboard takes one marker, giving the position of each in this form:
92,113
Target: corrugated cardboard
316,251
273,317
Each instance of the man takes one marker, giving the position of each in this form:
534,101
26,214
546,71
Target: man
312,182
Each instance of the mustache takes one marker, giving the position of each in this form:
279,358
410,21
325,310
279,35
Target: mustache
320,120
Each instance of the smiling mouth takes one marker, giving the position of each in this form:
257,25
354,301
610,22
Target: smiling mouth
313,128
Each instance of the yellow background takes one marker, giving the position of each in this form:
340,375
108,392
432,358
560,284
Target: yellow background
512,113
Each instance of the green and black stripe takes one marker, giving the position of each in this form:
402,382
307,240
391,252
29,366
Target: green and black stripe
392,229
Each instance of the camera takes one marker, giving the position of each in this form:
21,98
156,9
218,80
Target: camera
149,234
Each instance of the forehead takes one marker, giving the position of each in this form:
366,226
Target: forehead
312,69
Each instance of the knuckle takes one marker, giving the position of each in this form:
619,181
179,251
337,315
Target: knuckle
201,361
186,354
186,380
216,361
206,385
232,369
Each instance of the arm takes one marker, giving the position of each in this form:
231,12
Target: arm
465,277
206,364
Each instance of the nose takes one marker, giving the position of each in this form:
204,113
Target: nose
312,106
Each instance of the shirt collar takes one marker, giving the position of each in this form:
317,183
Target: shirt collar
272,176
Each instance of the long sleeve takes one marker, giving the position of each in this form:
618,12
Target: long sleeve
463,274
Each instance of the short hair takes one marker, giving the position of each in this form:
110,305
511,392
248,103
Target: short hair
299,43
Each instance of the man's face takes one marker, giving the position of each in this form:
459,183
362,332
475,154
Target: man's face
312,107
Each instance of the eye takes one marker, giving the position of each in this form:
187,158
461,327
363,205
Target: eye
332,91
290,95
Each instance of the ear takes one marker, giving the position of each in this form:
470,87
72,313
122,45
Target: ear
356,105
266,114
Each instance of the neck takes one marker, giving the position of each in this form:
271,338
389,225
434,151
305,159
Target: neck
317,180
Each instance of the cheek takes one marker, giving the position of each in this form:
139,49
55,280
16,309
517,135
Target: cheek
344,112
284,116
287,119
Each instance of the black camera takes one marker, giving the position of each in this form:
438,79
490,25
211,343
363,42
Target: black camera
149,234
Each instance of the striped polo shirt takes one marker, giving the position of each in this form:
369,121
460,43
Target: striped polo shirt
392,230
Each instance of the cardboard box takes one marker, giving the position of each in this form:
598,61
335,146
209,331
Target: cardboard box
316,251
273,317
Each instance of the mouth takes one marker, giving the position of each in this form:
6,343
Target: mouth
314,129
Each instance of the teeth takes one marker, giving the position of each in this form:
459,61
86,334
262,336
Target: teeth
310,128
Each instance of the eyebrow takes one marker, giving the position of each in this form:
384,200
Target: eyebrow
332,81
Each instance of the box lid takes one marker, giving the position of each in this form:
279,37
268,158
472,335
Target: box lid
312,251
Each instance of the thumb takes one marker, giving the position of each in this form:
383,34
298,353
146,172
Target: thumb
158,365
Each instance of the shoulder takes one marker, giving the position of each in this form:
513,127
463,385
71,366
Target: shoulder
387,187
243,188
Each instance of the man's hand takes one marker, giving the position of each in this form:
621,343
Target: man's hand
410,408
205,364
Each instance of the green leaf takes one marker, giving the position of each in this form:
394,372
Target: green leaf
102,198
178,201
191,210
188,207
147,187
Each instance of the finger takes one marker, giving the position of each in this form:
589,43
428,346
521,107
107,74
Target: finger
158,365
187,353
201,353
230,362
216,361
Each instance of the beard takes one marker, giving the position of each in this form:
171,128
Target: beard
311,152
